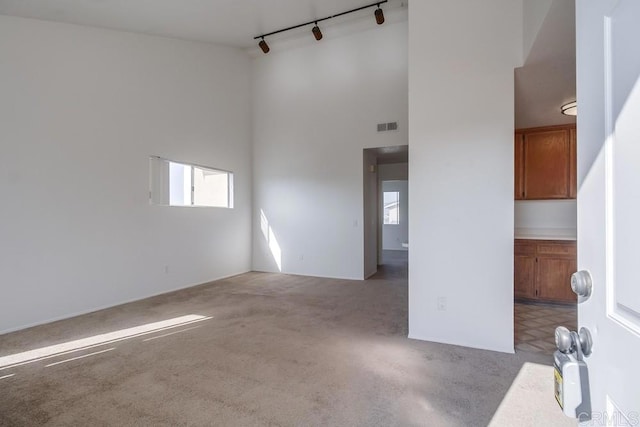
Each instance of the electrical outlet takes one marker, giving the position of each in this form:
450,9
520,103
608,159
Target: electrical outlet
301,257
166,269
442,303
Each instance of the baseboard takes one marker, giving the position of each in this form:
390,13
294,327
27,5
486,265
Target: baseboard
93,310
309,275
440,341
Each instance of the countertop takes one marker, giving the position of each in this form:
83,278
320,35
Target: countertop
546,233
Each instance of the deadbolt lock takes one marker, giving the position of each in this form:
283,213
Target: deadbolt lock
582,284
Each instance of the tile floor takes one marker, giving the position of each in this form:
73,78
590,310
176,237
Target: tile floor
535,325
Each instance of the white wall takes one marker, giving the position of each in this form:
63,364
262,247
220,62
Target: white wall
462,54
393,171
533,16
81,111
394,235
552,218
370,218
315,109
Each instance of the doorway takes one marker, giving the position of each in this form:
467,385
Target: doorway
545,189
386,201
393,251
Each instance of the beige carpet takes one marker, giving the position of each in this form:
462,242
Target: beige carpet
269,349
532,389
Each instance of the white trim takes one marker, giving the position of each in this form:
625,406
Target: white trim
105,307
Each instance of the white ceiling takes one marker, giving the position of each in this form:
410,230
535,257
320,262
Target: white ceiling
227,22
548,78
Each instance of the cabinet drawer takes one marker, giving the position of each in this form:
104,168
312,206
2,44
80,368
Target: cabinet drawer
524,247
568,249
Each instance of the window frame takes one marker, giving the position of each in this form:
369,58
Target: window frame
397,201
192,166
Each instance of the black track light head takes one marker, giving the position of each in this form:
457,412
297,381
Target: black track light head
379,16
264,46
316,32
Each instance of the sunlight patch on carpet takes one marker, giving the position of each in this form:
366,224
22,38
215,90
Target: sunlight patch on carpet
31,356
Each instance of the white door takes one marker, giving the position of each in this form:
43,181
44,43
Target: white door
608,70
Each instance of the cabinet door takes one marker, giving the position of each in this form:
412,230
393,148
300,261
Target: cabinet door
524,276
519,167
546,165
573,174
554,278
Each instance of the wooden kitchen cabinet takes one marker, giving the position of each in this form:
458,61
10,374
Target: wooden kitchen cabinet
543,269
545,163
573,163
554,275
524,279
519,166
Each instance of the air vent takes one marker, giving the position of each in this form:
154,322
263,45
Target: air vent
382,127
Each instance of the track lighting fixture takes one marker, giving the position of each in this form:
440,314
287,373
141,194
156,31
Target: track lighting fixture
379,15
264,46
316,30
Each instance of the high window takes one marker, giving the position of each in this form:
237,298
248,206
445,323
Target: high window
182,184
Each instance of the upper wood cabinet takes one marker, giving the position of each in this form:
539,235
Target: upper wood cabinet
545,163
519,166
573,163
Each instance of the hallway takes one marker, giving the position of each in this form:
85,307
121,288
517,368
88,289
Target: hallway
395,266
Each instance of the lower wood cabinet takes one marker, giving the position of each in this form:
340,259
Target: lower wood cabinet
543,269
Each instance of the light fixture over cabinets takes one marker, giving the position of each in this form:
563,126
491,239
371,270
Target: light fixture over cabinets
317,33
570,109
